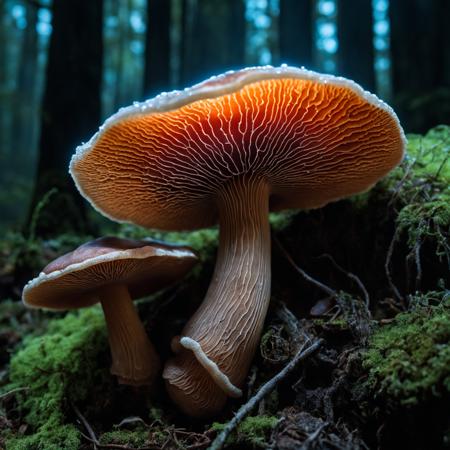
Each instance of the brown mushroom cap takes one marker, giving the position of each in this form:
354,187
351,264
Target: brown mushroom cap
71,281
315,138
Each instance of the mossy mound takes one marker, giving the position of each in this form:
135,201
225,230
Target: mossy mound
408,361
57,370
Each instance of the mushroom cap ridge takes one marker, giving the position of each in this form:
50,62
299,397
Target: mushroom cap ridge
315,138
71,281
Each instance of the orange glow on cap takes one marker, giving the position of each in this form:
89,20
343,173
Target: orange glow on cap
315,138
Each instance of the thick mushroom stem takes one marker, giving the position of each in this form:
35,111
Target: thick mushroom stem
134,359
224,332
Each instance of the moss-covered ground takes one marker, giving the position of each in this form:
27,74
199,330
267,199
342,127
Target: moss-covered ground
381,380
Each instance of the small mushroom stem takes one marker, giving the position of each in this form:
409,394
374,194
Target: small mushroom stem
218,343
134,359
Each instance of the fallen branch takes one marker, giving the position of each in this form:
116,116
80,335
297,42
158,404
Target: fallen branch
307,277
265,390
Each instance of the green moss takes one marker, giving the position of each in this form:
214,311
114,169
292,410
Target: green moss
253,431
136,438
430,153
418,190
57,369
423,187
204,242
409,360
338,324
279,221
21,255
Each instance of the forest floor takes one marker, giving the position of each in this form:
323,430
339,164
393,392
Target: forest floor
379,299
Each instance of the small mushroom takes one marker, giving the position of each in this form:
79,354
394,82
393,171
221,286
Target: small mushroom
228,150
113,271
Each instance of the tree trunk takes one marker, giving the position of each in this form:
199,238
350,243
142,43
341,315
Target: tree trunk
157,50
417,61
420,62
71,110
355,35
120,94
25,98
213,38
4,88
296,32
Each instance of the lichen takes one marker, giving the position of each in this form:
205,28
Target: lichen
253,430
408,361
57,370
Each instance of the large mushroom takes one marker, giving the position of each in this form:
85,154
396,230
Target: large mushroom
113,271
228,150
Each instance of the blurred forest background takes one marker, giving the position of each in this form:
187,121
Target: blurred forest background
67,65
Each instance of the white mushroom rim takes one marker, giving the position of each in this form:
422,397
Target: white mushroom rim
136,253
212,368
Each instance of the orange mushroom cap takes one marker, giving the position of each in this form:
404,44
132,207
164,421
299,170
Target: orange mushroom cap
315,138
73,280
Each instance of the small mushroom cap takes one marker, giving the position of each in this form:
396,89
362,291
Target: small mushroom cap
74,280
315,138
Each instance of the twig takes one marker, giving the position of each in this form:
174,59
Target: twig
89,429
442,240
441,166
312,437
37,211
388,261
6,395
307,277
350,275
265,390
418,263
401,182
289,319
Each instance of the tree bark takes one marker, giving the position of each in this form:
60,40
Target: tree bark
122,12
213,38
25,98
157,49
5,103
355,36
416,44
420,62
71,110
296,32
